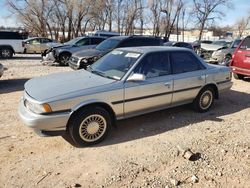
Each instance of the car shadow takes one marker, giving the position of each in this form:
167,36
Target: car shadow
174,118
8,86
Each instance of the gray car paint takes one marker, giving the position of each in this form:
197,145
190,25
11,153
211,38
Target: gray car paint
74,90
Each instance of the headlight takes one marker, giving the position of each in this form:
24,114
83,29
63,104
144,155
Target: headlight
84,61
37,108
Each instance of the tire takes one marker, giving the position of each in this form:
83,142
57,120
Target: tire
204,99
89,126
6,53
238,76
64,58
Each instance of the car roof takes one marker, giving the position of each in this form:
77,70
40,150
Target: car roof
148,49
132,36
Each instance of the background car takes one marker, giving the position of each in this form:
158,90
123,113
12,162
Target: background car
124,83
179,44
224,55
38,45
197,44
84,58
1,70
240,63
62,53
11,43
206,50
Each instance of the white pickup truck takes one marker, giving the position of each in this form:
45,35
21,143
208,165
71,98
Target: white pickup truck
10,43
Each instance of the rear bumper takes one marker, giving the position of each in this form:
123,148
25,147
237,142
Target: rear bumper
224,86
242,71
43,123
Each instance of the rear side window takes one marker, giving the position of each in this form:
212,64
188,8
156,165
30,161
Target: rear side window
154,65
10,35
245,44
184,62
83,42
96,40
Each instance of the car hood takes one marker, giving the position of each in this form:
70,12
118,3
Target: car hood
88,53
62,85
210,47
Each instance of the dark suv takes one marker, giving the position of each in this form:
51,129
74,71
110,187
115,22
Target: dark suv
87,57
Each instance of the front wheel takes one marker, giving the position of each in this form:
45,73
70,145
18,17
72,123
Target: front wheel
64,58
90,126
204,100
238,76
7,53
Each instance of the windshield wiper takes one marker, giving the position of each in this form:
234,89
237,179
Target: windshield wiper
102,74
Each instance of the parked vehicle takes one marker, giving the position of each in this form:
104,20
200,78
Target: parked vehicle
62,53
124,83
197,44
104,34
207,49
1,70
223,55
10,43
84,58
179,44
240,63
38,45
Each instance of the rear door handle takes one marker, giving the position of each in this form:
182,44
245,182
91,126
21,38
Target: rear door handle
201,77
167,84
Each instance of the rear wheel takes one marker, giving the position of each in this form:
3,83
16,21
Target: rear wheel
7,53
64,58
204,99
238,76
90,126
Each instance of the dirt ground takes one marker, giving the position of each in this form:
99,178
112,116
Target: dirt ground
141,152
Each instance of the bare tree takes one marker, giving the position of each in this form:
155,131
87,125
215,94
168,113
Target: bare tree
205,10
155,8
171,9
242,25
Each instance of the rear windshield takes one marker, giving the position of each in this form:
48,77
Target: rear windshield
108,44
245,44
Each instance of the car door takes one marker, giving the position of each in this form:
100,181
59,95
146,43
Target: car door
35,46
189,76
242,55
44,42
155,91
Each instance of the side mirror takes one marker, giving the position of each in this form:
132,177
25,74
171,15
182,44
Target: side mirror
136,77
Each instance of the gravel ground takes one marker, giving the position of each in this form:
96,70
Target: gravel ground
146,151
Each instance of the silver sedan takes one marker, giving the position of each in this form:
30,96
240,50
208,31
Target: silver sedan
124,83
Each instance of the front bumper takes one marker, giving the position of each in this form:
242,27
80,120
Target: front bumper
43,123
48,57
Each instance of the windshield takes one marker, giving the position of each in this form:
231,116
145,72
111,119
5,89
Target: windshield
72,42
115,64
108,44
235,43
222,43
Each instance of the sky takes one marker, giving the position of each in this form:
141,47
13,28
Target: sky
241,8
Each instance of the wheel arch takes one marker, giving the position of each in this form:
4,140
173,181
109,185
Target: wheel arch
215,88
8,47
65,52
83,106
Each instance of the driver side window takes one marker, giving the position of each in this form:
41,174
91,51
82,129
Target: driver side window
154,65
83,42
